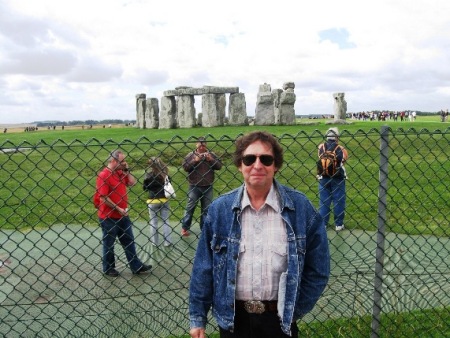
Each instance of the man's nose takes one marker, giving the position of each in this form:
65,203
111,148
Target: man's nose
258,164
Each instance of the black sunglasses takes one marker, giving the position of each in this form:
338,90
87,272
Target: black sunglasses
267,160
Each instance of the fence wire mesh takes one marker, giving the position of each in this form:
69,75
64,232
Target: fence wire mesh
51,281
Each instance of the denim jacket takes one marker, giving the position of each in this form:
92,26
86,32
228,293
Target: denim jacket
214,273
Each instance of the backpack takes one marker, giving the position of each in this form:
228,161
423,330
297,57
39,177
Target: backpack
327,165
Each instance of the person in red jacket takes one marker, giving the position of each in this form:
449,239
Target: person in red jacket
112,183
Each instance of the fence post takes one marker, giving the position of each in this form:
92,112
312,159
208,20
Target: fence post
379,259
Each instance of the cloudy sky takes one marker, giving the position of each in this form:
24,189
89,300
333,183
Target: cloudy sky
78,59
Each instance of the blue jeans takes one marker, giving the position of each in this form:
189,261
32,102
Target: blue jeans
121,229
332,190
196,193
156,211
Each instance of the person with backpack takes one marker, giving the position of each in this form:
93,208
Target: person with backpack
332,175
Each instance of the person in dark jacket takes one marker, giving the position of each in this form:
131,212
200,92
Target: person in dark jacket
158,204
200,165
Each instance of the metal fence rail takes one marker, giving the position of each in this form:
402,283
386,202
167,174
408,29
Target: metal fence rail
391,259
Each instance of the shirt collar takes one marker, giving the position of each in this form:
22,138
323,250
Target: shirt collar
272,199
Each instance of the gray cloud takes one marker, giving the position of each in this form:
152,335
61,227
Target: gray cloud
152,77
61,59
92,69
39,62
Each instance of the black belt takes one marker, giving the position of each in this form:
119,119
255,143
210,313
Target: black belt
257,306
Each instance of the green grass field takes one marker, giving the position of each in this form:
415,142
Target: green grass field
130,133
54,182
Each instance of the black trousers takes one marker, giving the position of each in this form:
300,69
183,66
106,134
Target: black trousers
251,325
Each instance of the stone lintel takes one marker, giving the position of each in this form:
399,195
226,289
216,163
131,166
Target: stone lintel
171,92
220,90
201,91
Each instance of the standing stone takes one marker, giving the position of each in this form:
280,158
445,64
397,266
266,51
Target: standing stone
152,114
213,109
276,94
340,106
140,110
167,116
185,111
264,111
289,86
237,110
287,103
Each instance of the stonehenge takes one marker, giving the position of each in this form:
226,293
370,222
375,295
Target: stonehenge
177,109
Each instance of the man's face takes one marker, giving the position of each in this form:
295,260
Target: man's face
201,147
257,175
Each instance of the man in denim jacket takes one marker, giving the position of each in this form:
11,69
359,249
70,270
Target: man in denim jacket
262,260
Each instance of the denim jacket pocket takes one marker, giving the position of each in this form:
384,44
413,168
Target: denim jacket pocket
279,257
219,247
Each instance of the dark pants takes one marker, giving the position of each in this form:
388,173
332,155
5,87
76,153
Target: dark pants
121,229
250,325
195,194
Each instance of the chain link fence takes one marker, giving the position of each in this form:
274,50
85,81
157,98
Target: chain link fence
391,260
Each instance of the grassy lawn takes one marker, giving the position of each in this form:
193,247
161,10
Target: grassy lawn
426,323
54,181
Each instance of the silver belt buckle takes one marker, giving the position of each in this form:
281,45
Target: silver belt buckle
254,306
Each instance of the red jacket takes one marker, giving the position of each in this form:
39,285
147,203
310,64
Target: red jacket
112,184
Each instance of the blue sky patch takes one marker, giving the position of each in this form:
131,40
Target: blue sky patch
338,36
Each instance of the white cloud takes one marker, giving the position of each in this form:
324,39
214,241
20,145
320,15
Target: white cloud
84,59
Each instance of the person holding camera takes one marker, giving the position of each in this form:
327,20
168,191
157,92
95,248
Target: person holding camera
111,186
200,165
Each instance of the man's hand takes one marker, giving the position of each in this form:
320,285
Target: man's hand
197,332
123,212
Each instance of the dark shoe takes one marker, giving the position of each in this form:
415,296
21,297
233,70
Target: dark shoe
111,273
142,269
